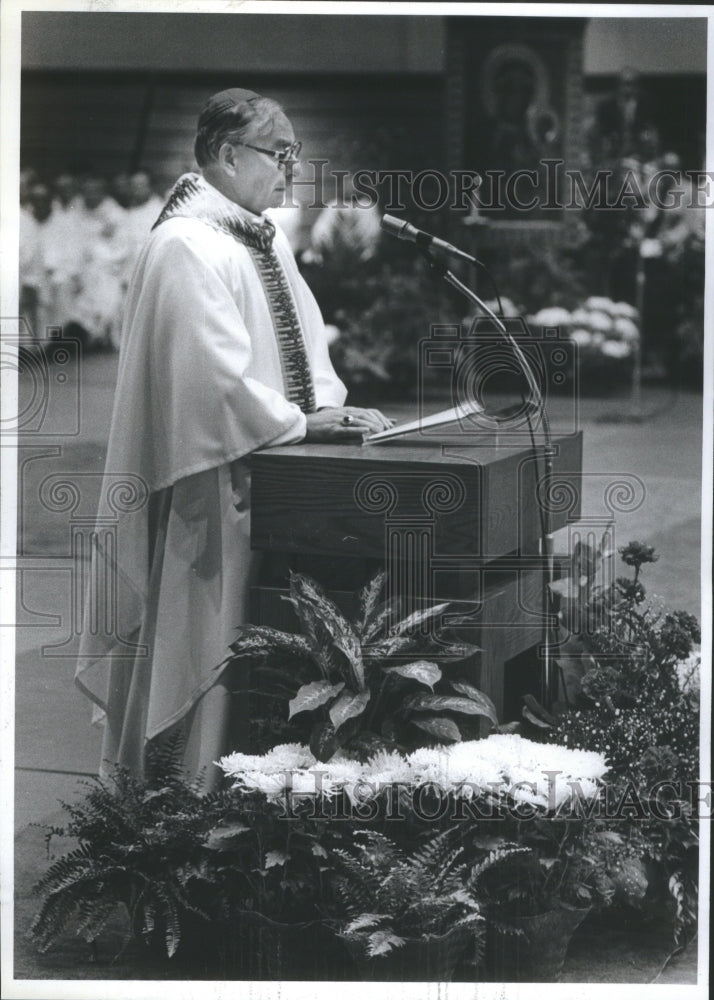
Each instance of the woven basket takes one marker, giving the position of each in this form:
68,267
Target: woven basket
536,954
430,959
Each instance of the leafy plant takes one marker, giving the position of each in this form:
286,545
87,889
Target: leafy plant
612,648
621,663
187,869
523,868
141,848
389,895
372,682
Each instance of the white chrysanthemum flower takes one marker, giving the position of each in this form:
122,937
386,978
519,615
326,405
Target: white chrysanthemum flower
388,767
583,338
285,757
626,329
552,316
625,310
316,780
616,349
465,767
428,764
343,770
580,317
599,321
529,792
271,785
600,303
537,773
288,756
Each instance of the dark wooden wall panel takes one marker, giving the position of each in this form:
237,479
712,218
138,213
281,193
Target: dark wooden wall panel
74,118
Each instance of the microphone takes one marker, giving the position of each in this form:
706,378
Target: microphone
405,231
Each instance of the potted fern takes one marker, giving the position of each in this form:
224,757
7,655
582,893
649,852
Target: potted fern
221,881
369,684
142,848
534,903
405,917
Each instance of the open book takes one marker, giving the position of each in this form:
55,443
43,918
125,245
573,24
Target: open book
435,420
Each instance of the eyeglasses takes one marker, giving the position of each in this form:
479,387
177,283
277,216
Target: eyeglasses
284,157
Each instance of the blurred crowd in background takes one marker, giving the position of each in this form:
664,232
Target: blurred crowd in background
79,240
80,237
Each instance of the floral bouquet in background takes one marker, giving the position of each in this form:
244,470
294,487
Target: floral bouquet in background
607,335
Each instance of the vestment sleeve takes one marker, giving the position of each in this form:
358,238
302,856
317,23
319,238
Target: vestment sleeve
186,361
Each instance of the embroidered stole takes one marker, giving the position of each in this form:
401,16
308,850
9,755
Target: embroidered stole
193,198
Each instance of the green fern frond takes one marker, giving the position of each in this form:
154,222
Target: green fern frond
164,759
169,914
148,922
94,914
55,914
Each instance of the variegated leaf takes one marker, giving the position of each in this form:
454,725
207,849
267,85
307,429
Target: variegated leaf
478,698
311,696
390,646
323,741
440,726
422,671
456,651
348,706
383,619
315,607
275,858
419,617
369,597
256,640
445,703
533,718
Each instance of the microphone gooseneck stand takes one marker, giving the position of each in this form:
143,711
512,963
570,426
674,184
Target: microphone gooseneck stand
549,685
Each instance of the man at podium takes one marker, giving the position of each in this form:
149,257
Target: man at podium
223,352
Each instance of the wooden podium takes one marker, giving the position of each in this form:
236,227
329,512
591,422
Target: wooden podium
450,521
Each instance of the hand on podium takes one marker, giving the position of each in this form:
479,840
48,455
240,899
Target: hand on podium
344,423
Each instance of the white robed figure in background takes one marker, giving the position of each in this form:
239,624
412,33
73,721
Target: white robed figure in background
223,352
98,263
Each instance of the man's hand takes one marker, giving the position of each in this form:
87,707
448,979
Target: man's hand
328,426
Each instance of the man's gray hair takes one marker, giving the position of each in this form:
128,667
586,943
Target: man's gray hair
229,117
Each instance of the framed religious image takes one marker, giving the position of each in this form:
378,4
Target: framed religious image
519,95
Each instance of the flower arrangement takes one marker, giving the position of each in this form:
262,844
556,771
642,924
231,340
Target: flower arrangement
532,864
501,764
606,334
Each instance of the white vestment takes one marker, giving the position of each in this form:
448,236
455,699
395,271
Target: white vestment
137,226
200,387
100,263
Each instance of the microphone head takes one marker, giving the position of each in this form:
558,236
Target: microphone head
393,226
